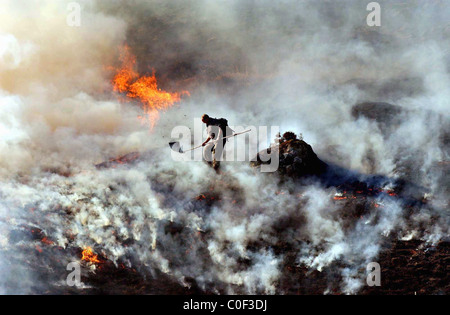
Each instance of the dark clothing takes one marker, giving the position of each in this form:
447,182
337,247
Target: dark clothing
222,123
216,122
226,131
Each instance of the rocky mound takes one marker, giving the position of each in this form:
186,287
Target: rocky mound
296,157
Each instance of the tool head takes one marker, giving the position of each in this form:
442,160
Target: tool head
175,146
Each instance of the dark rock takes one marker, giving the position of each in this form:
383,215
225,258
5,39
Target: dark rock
296,157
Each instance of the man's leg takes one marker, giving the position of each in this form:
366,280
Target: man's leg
218,153
208,153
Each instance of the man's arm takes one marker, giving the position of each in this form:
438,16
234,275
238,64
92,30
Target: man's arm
207,140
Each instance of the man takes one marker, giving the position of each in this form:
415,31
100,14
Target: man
217,129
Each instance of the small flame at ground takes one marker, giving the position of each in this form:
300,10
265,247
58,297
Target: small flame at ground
89,256
143,88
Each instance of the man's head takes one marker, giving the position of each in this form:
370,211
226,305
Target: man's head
205,118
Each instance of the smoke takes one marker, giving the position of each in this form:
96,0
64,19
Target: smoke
300,65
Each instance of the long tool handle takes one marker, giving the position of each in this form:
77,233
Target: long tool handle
193,148
234,135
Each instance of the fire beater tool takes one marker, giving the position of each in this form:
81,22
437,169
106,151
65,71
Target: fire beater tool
175,146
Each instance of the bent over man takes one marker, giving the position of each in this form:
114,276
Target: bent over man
217,129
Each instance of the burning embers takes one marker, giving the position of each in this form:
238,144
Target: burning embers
361,192
89,256
142,88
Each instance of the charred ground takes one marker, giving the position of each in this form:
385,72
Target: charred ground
409,266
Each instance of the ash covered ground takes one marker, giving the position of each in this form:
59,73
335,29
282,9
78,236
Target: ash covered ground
83,166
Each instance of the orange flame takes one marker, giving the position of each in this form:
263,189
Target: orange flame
89,256
142,88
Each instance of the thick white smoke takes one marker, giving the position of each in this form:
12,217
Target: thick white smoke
300,65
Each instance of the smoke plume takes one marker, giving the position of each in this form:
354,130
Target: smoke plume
300,65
